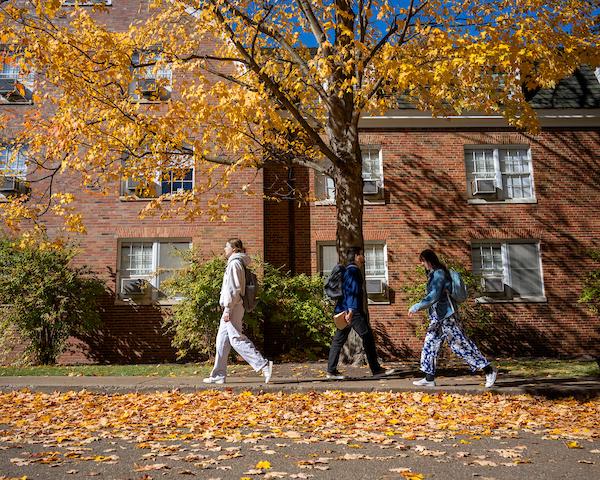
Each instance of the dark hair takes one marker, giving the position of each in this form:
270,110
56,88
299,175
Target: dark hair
237,245
351,254
429,256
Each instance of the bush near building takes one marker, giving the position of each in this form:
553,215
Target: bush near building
45,298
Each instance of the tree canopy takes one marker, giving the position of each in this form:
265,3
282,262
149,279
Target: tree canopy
267,82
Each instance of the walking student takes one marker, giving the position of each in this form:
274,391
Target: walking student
444,325
352,303
230,327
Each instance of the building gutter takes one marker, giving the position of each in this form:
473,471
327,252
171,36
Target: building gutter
417,119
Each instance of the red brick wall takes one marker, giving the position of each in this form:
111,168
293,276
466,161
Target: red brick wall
426,206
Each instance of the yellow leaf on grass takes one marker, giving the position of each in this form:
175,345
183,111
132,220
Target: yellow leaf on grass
412,476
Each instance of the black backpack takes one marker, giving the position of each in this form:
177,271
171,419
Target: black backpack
333,287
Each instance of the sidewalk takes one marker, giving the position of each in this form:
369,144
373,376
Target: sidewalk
304,377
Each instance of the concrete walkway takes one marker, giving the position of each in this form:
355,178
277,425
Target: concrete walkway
304,377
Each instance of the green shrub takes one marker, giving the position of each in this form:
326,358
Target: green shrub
590,295
474,316
46,299
294,305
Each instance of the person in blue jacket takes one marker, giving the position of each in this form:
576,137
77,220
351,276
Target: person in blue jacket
444,324
352,303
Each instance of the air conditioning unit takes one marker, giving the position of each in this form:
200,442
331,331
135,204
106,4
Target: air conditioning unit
133,287
12,90
492,284
12,184
7,85
147,86
132,184
375,286
484,186
370,187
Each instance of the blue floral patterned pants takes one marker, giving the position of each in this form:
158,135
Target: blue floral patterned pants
449,329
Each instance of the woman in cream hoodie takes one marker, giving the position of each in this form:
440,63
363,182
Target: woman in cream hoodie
230,328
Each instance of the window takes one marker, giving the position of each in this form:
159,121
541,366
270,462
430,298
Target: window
180,178
372,173
375,268
13,170
499,174
509,270
152,77
146,264
176,182
15,85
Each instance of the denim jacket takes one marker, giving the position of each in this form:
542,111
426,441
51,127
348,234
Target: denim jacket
353,291
437,298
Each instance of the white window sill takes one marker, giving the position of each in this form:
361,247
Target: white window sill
481,201
133,198
512,300
166,302
15,104
379,302
331,202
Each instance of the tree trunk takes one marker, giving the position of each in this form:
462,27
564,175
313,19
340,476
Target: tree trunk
349,233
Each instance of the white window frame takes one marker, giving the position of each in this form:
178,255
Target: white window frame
171,181
157,181
506,271
329,185
15,73
151,73
6,150
498,175
153,277
382,299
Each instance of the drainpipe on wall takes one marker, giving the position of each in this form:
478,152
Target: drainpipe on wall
291,222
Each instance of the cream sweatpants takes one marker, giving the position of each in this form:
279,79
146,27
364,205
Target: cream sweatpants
230,335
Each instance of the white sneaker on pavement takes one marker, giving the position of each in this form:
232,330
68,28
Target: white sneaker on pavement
214,380
267,371
424,383
490,378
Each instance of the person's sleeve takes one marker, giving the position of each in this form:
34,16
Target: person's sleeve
236,285
437,289
352,288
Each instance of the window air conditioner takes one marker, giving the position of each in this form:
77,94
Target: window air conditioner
132,184
12,184
133,286
370,187
484,186
375,286
147,86
492,284
7,85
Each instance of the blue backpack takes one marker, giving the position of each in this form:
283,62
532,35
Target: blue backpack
459,291
334,285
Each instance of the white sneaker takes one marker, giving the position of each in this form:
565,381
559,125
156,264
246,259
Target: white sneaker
214,380
267,371
490,378
334,376
424,383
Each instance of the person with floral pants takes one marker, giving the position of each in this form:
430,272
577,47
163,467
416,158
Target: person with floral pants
444,325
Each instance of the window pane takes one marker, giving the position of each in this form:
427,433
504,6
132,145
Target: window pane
525,271
12,163
374,261
371,168
480,161
172,183
329,258
170,255
136,259
487,259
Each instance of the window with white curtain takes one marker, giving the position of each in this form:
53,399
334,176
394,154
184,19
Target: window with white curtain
151,261
499,174
509,270
376,274
372,174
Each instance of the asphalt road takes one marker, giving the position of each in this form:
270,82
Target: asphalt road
524,456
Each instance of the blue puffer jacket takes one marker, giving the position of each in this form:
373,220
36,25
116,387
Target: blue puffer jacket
437,299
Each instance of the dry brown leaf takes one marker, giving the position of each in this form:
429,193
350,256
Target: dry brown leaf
153,466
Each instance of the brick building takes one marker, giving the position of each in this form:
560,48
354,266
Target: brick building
521,210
